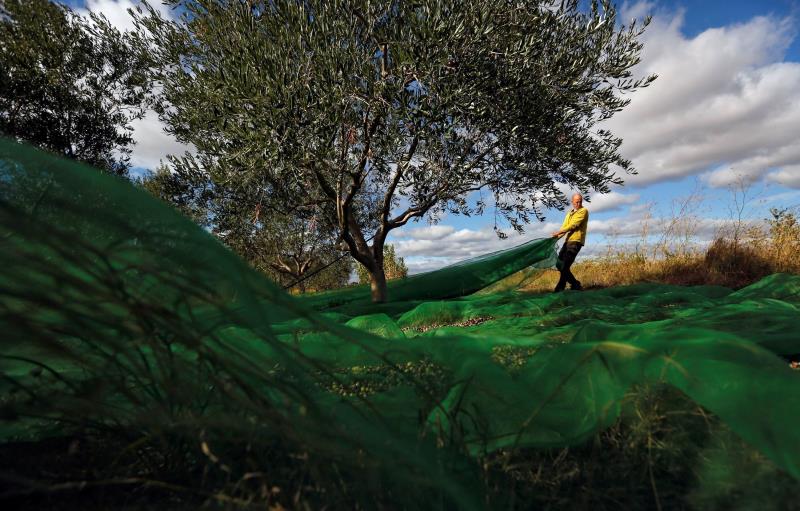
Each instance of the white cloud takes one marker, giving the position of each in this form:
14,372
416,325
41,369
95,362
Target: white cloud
432,232
616,226
427,249
116,11
153,143
634,228
610,201
636,10
753,168
724,100
471,243
780,197
787,176
420,264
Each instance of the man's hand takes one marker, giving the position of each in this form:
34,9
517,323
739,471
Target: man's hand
557,234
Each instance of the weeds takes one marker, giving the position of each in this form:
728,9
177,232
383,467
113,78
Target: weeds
736,258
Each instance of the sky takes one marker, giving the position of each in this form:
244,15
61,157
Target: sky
721,124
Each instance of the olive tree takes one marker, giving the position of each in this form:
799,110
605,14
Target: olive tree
384,112
69,84
290,247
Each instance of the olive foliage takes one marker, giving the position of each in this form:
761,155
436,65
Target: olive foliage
69,84
297,249
378,113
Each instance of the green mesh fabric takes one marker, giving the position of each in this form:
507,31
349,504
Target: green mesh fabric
118,314
460,279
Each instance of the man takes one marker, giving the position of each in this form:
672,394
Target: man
574,227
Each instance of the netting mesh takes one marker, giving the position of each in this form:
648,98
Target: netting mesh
119,315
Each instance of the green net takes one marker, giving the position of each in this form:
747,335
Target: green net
120,316
456,280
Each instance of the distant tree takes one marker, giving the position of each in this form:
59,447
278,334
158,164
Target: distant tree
394,266
191,194
289,247
333,272
69,84
382,112
299,251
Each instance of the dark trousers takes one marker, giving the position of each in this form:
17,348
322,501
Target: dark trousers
566,257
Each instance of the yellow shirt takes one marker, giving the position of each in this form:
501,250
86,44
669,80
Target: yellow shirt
576,222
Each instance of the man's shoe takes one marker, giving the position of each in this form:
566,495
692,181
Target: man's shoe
577,287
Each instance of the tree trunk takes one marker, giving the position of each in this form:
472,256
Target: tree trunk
377,283
377,272
301,271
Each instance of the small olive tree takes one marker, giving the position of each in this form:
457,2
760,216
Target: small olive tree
299,252
290,247
383,112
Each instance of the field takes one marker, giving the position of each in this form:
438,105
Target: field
148,366
188,190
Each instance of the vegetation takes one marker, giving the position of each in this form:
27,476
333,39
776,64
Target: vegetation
297,249
732,261
378,113
69,84
394,266
403,110
196,424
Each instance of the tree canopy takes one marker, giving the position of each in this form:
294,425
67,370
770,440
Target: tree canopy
377,113
69,84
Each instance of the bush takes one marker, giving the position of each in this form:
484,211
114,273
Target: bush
737,264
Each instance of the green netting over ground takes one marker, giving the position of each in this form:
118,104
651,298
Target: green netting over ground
118,315
456,280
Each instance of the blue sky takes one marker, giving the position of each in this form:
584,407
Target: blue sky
724,112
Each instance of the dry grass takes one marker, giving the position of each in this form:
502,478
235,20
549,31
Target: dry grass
735,259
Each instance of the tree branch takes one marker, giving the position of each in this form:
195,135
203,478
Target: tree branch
351,232
387,198
437,196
